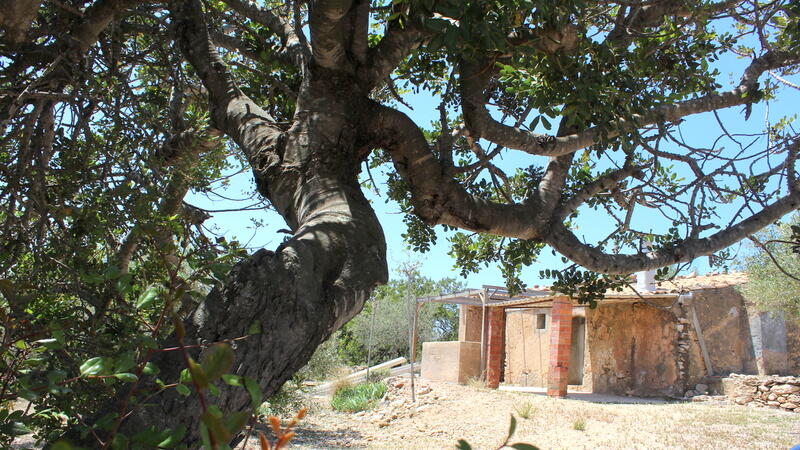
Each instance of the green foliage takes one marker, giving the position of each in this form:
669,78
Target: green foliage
359,397
325,361
769,287
378,375
389,331
289,399
512,428
584,286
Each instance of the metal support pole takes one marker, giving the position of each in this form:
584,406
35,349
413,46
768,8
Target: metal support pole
483,296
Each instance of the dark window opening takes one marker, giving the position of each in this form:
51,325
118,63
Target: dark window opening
541,321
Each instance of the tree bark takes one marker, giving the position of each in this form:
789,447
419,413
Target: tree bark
297,295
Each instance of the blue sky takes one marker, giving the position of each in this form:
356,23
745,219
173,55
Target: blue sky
700,130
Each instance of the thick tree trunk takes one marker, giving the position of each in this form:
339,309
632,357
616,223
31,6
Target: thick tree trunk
308,287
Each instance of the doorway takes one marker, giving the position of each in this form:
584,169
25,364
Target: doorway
577,348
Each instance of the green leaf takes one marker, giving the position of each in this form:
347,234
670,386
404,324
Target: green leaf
198,374
174,438
106,422
147,297
149,342
254,390
463,445
236,421
217,360
126,377
123,284
204,435
50,343
215,427
185,376
183,390
523,446
215,411
93,366
120,442
232,380
150,369
512,427
19,429
220,270
124,362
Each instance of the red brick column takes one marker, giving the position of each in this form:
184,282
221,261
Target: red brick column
495,348
560,342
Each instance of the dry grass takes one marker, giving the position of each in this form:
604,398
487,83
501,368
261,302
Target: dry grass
524,409
340,380
476,383
481,417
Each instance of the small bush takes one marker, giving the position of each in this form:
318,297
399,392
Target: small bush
359,397
378,375
525,409
339,384
283,403
579,424
476,383
324,363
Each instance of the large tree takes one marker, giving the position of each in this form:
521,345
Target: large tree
113,109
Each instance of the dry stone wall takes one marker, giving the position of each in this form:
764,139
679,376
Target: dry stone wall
774,391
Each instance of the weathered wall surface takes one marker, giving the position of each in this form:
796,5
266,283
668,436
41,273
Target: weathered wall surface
469,323
527,349
726,329
770,346
633,350
453,361
793,346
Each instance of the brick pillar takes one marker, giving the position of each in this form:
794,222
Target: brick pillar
495,348
560,342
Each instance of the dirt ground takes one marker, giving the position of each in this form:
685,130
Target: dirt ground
446,412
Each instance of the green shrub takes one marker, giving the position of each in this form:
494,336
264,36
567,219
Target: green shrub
378,375
359,397
579,424
324,362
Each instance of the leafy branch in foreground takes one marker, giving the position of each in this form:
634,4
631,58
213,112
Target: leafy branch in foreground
464,445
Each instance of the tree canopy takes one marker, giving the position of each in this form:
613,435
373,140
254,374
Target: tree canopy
773,269
112,110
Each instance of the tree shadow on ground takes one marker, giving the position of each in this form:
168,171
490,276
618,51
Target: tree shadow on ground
317,437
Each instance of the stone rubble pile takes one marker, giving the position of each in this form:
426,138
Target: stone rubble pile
774,391
701,393
396,403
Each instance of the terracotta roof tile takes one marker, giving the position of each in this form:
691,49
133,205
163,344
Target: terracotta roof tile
691,282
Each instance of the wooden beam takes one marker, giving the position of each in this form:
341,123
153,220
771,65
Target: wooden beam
701,340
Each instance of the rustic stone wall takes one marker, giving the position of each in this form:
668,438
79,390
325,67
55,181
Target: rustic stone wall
793,346
634,349
726,328
754,390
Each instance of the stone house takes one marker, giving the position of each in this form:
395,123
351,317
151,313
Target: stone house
660,339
